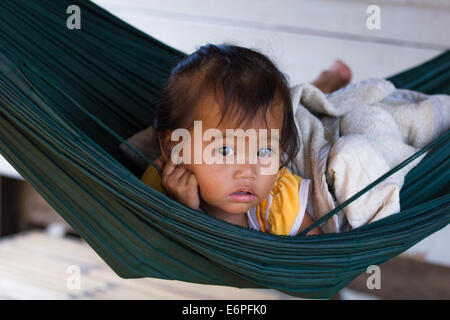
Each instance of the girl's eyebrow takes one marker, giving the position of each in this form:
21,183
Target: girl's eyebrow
276,136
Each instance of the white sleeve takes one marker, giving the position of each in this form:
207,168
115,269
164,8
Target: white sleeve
303,194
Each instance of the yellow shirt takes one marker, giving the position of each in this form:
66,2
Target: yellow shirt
152,178
281,213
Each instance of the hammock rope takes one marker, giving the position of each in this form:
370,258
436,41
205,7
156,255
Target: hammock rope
443,138
90,115
62,92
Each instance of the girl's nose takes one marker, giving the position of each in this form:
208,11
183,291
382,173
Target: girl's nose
245,171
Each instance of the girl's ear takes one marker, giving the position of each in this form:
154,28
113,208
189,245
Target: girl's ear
165,144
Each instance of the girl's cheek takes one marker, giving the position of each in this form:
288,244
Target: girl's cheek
208,179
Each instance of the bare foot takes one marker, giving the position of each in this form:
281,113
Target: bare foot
336,77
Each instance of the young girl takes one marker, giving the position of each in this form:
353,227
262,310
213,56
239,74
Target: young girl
231,87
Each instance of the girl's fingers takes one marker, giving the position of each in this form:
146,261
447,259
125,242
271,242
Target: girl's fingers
181,179
179,172
160,163
192,180
169,168
184,178
174,171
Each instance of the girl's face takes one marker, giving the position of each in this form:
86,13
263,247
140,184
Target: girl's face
217,182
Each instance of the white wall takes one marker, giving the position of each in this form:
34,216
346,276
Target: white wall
302,37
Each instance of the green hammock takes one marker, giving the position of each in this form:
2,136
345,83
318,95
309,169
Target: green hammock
68,98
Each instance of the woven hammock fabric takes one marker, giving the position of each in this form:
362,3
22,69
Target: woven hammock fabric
68,98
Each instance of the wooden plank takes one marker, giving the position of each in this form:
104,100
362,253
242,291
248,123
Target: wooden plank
34,266
403,278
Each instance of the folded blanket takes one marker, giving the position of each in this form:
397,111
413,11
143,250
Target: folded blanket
356,134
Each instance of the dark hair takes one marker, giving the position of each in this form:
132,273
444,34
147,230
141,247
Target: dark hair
245,82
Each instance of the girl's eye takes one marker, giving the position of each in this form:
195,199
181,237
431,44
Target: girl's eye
226,151
266,152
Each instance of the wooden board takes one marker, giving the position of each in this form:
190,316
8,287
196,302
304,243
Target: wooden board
34,265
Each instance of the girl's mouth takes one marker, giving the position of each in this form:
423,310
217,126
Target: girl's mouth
241,196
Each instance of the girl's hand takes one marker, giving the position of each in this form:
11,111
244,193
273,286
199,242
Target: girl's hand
179,183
